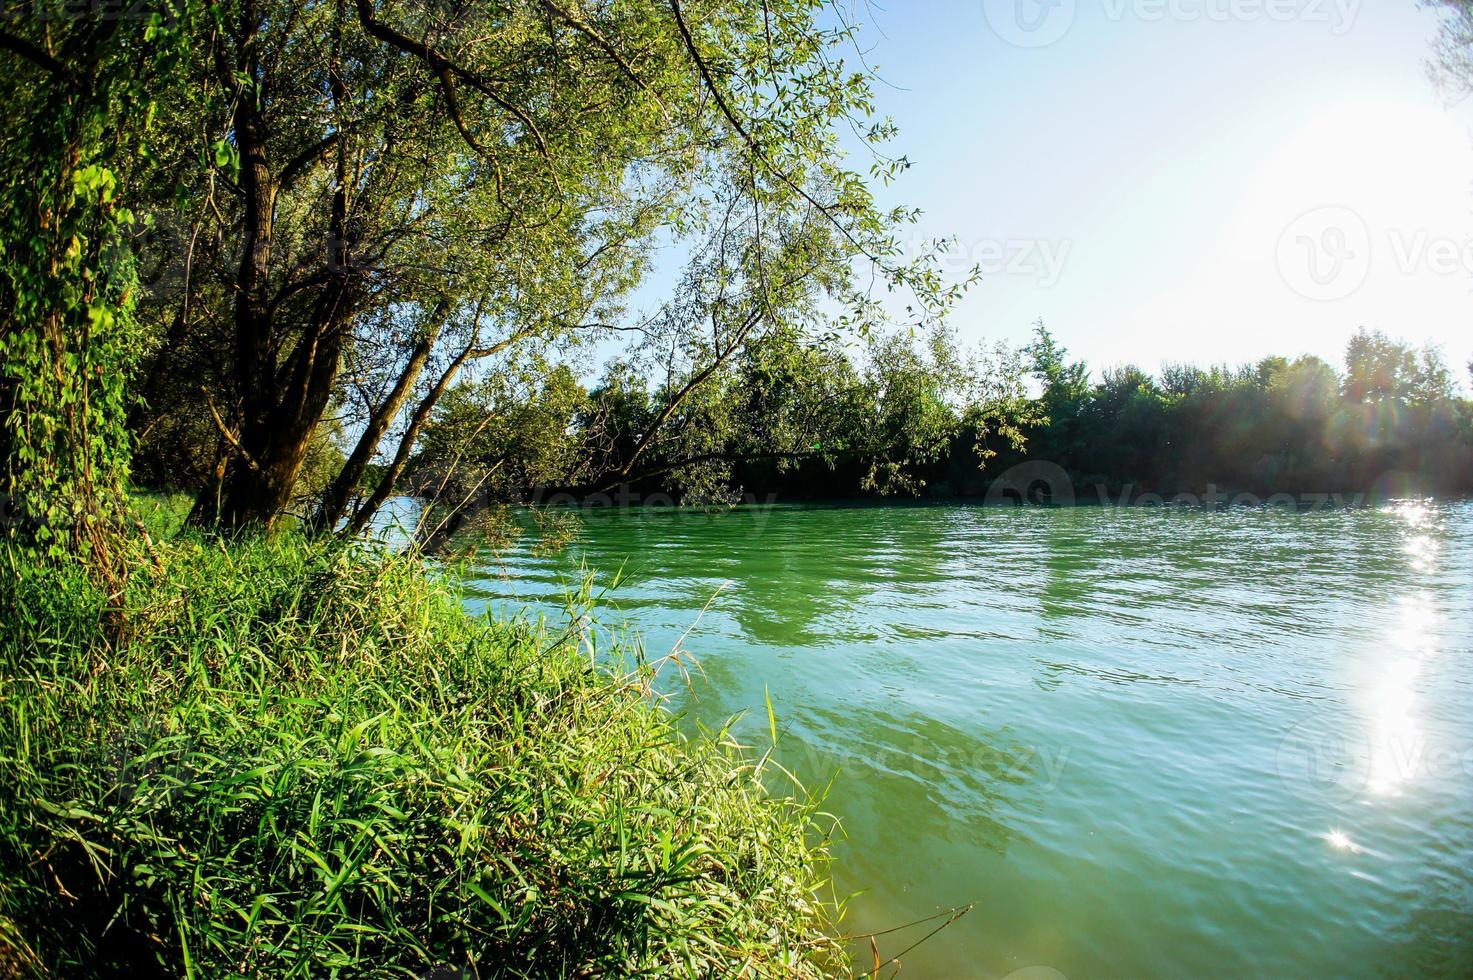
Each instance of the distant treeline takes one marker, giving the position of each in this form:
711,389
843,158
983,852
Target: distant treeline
1389,423
919,418
908,417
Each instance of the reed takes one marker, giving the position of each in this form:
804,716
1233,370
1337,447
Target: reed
303,759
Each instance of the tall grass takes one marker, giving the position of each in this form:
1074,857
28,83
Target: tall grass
293,759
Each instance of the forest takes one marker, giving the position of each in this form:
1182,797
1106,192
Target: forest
332,262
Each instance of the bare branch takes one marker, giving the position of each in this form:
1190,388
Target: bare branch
230,437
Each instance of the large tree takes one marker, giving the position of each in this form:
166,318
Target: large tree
370,198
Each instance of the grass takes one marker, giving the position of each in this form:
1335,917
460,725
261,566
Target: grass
161,514
295,759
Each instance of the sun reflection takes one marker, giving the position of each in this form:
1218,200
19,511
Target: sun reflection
1422,550
1421,546
1417,513
1397,741
1341,841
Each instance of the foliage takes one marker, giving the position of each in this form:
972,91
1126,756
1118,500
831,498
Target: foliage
1453,49
1276,426
790,409
508,431
363,200
67,337
307,760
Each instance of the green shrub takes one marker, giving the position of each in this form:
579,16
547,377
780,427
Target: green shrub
302,760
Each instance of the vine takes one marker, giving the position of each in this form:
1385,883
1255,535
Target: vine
67,282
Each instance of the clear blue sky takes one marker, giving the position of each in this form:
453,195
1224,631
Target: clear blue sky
1202,180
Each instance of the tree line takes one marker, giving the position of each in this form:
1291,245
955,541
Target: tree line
907,416
1390,421
913,417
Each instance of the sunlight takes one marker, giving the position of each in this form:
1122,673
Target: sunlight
1416,513
1356,153
1420,548
1343,165
1398,744
1341,841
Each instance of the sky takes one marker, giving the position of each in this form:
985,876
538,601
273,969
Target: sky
1186,180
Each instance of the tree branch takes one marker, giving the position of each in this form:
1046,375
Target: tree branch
298,164
582,26
27,50
751,141
225,431
441,66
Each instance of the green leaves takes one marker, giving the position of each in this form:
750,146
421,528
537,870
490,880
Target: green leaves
227,157
308,763
69,338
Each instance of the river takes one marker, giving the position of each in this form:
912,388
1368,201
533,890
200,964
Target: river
1138,741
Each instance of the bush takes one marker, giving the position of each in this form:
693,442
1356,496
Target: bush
296,759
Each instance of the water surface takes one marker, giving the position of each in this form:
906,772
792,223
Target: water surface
1143,742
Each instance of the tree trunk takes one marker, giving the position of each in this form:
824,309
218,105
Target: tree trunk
385,486
280,406
334,505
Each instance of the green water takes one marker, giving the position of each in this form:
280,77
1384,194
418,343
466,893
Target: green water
1141,742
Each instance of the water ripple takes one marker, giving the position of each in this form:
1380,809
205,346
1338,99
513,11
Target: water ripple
1144,742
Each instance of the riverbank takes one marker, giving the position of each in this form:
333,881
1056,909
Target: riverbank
280,757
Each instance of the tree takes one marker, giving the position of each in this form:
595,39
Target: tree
1377,368
501,438
1453,49
1431,382
369,175
1065,395
416,189
1383,370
